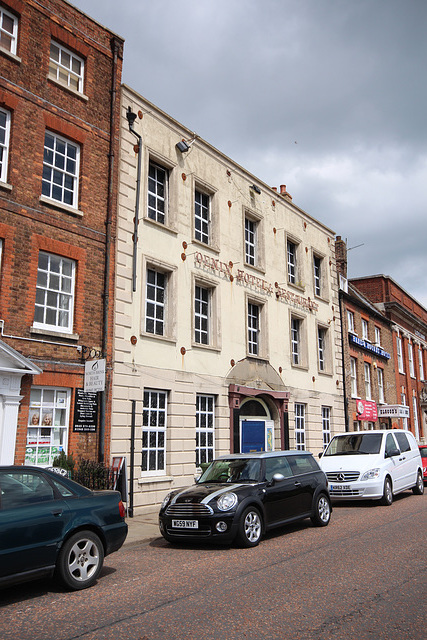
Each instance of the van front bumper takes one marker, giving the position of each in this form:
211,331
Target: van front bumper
360,490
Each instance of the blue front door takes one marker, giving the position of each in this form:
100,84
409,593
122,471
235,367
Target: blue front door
253,436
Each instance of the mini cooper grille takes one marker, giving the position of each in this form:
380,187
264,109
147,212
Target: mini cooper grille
189,510
342,476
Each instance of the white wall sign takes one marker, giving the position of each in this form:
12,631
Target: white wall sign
94,375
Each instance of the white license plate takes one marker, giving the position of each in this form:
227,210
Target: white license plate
340,487
185,524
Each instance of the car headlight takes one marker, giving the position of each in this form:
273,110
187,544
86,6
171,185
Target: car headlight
166,501
371,474
226,501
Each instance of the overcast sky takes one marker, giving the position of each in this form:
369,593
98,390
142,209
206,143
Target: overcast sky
326,96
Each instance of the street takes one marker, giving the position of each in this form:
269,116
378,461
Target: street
363,576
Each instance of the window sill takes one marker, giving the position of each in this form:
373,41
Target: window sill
203,245
206,347
153,336
54,334
321,298
255,267
160,225
73,92
296,286
327,374
5,186
10,55
154,479
61,206
300,367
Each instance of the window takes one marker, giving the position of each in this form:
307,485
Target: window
403,403
380,378
202,217
377,336
420,363
157,192
205,424
365,332
4,143
253,328
202,315
300,426
155,302
54,293
411,360
368,394
399,354
326,426
60,169
292,262
250,241
350,321
353,375
48,420
8,30
321,342
296,340
317,267
415,414
153,432
66,67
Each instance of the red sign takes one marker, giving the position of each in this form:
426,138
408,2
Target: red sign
367,410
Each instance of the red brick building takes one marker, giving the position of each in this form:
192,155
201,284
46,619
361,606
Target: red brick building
409,320
59,110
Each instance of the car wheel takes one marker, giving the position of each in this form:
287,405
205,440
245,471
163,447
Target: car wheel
80,560
250,528
418,489
387,498
322,511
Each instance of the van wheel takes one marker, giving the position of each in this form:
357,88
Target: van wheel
418,489
387,498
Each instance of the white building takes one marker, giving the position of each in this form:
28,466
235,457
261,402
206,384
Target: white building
227,331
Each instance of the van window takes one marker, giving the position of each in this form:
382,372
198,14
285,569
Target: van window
403,442
390,444
354,444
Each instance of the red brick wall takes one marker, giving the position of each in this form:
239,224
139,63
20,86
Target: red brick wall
28,225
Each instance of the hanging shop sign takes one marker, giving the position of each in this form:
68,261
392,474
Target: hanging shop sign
393,411
94,375
372,348
367,410
85,412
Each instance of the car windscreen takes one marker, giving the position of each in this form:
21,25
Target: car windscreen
354,444
232,470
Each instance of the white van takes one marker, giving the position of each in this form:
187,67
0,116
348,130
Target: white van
363,465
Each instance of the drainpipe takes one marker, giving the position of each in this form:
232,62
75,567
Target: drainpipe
107,264
131,117
347,426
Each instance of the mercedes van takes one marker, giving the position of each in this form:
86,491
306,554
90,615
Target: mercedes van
363,465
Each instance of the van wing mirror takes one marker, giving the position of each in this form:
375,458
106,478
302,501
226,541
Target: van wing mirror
392,453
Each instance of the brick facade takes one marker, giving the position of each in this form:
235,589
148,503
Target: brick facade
32,224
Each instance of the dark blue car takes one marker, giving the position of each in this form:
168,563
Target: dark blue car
52,525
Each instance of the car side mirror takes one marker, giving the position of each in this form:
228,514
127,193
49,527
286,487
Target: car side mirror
277,477
392,453
320,454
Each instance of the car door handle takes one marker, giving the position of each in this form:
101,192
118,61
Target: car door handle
57,512
402,458
297,484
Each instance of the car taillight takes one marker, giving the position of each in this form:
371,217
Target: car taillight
122,509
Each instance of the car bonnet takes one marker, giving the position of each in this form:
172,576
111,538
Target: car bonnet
204,493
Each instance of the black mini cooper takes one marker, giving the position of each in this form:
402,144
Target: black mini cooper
241,496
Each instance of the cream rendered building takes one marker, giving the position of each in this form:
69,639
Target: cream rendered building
227,331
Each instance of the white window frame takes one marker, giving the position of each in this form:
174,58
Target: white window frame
317,274
326,426
155,302
299,426
353,376
254,328
54,288
291,261
368,387
365,330
380,379
65,74
202,314
399,354
350,321
415,413
202,216
9,35
61,165
377,336
251,233
154,427
205,428
47,414
421,363
411,360
157,192
4,145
